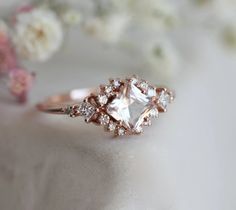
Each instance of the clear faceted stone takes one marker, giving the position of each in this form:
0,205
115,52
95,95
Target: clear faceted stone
104,119
152,92
121,131
134,80
108,90
87,110
116,83
111,126
144,85
164,99
147,122
153,112
138,129
130,106
102,99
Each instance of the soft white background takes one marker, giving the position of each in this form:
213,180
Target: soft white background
186,160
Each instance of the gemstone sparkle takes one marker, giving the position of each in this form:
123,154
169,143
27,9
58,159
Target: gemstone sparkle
87,110
102,99
164,99
104,119
111,126
130,106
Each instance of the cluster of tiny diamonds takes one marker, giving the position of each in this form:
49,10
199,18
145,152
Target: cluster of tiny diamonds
109,92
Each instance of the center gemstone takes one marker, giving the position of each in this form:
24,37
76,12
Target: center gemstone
131,106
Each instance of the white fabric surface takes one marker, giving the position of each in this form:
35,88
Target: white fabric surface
186,160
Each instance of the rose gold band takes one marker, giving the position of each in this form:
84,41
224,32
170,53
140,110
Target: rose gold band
58,104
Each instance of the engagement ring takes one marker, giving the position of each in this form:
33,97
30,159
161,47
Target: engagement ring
124,106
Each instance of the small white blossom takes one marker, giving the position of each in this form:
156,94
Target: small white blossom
225,9
158,14
38,34
163,59
219,10
70,17
229,35
109,28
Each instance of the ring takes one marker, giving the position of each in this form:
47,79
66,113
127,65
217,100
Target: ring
124,106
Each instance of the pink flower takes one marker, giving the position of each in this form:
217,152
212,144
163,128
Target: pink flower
20,10
25,8
3,38
8,59
20,83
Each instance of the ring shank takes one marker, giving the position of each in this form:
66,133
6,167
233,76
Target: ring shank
58,104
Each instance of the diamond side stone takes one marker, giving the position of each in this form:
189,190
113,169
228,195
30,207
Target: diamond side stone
151,92
111,126
116,83
153,113
121,131
164,99
87,110
102,99
104,119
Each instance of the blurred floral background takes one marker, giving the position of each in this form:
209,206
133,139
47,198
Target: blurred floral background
147,30
52,46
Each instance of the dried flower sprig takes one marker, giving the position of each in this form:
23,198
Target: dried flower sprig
7,53
35,33
20,83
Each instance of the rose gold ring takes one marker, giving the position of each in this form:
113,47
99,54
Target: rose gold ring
123,107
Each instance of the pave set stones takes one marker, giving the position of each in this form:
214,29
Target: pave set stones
124,106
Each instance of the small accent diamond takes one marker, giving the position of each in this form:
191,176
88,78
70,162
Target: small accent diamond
111,126
147,122
108,90
143,85
153,113
139,129
151,92
72,111
102,99
116,83
134,80
164,99
104,119
87,110
121,131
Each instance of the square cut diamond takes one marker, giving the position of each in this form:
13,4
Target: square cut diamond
131,106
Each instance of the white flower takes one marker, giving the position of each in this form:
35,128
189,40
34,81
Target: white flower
109,28
70,17
38,34
158,14
163,59
229,35
222,10
225,9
